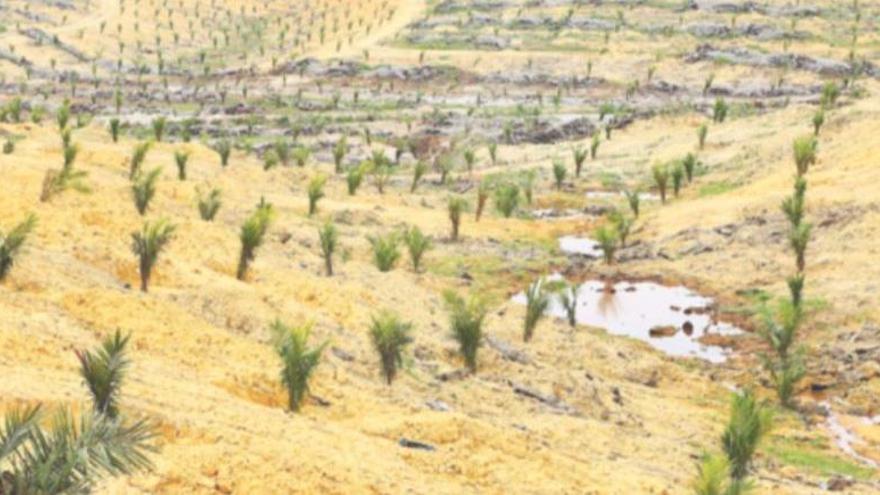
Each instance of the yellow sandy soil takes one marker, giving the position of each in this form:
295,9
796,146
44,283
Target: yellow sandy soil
203,368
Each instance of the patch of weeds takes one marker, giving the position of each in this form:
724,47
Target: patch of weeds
716,188
610,180
812,456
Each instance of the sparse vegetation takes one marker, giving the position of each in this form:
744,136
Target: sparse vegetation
298,360
606,236
209,204
329,238
390,335
559,172
805,149
386,251
137,158
419,171
466,318
456,206
661,180
417,244
537,301
181,158
252,233
143,189
224,151
147,244
702,133
316,192
11,243
103,370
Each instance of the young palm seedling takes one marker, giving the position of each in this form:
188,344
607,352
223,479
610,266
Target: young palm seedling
818,121
594,146
470,158
159,124
749,422
537,302
805,148
144,188
55,182
793,206
114,129
224,150
622,226
507,199
147,244
419,171
689,162
606,236
634,201
62,116
466,321
677,178
281,152
528,185
456,206
329,238
386,251
339,151
301,156
252,233
354,178
559,172
493,152
12,242
719,111
137,158
209,205
568,297
580,156
482,196
799,238
316,192
298,361
181,158
381,176
390,335
417,244
103,371
661,179
702,133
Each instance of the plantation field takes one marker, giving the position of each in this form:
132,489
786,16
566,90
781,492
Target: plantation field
217,179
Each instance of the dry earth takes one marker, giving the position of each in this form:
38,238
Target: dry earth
572,411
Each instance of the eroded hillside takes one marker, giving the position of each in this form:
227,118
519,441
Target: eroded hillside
487,95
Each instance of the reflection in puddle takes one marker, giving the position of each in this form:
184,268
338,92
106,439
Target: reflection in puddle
671,319
582,246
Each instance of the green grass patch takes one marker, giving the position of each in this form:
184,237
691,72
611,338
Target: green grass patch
716,188
812,455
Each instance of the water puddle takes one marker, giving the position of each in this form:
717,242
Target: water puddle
671,319
554,214
580,246
847,440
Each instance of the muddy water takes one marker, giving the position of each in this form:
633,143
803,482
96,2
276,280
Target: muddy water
847,440
580,246
671,319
